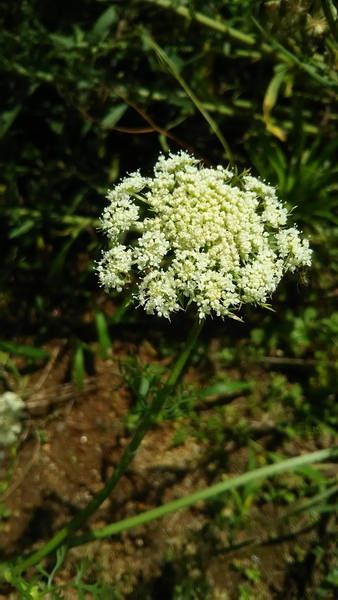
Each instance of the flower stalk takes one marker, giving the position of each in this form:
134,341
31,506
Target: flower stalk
145,424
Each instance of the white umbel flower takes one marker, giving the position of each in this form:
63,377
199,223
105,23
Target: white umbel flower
11,414
207,237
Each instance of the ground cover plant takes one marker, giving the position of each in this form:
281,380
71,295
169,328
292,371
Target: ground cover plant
232,493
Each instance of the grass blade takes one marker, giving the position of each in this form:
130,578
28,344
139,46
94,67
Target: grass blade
79,366
26,351
164,59
283,466
103,334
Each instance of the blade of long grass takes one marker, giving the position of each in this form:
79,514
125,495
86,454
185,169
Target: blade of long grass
270,99
79,366
8,365
26,351
103,333
308,505
164,58
205,494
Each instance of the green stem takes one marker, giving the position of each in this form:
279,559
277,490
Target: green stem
331,19
206,21
148,420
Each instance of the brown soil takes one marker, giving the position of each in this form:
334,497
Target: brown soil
82,436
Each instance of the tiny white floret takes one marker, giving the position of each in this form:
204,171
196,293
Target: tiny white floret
11,415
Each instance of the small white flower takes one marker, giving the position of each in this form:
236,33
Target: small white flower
205,236
11,414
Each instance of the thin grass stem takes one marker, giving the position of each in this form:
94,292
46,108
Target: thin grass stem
289,464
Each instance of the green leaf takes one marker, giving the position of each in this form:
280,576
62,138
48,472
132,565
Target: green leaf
62,40
21,229
79,366
103,333
270,100
7,119
27,351
250,488
114,115
102,25
5,362
224,388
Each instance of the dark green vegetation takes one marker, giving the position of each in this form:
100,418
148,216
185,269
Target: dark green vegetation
92,90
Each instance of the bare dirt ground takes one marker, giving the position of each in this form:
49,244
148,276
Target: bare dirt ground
71,444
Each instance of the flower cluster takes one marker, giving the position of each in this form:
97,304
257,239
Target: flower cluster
11,414
204,235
